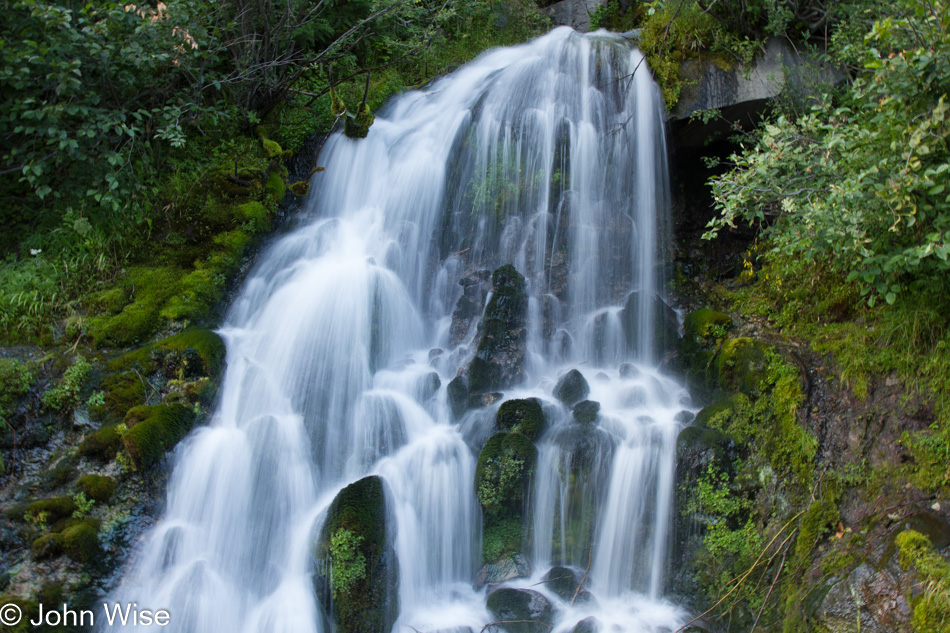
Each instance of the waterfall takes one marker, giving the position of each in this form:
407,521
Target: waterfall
549,156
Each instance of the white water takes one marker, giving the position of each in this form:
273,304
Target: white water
549,156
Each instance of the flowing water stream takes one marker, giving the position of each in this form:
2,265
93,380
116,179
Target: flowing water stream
549,156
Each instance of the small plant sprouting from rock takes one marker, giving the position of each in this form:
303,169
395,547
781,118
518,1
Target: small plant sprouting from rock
38,520
83,505
506,472
66,393
348,563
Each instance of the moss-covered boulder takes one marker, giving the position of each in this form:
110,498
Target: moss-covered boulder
49,510
521,610
503,485
571,388
475,286
741,365
76,538
103,444
154,430
99,488
586,411
502,570
665,332
357,578
703,327
521,416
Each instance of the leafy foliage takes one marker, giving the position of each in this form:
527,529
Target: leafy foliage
861,181
348,562
66,392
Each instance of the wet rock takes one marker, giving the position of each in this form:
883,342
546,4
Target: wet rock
435,353
154,430
521,416
562,581
587,625
585,412
521,610
475,286
571,388
876,597
369,602
502,570
665,324
499,358
428,386
628,370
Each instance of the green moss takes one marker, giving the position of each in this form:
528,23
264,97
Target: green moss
586,411
103,444
357,518
502,537
272,148
61,473
80,542
503,473
932,605
276,186
197,350
16,380
65,394
97,487
300,188
151,287
257,217
154,430
521,416
54,509
703,327
740,364
121,392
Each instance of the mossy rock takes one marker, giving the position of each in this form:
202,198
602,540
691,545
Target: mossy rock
586,411
200,351
55,508
121,392
502,537
151,287
571,388
521,610
371,603
300,188
46,546
272,148
80,542
741,365
457,391
30,610
503,473
96,487
103,444
700,327
521,416
154,430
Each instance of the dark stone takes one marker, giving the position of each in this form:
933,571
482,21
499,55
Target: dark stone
586,411
521,610
429,385
475,287
371,603
562,581
571,388
665,325
587,625
521,416
628,370
458,396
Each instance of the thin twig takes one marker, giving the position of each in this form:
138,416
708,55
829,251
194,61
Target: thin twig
590,555
778,573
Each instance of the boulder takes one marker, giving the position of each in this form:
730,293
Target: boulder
571,388
665,325
502,486
521,416
502,570
357,576
585,412
521,610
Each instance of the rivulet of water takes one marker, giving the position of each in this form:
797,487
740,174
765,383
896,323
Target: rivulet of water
549,156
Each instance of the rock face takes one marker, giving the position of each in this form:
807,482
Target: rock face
743,93
573,13
665,326
362,594
520,610
499,357
475,286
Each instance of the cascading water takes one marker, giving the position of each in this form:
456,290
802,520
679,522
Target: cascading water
549,156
